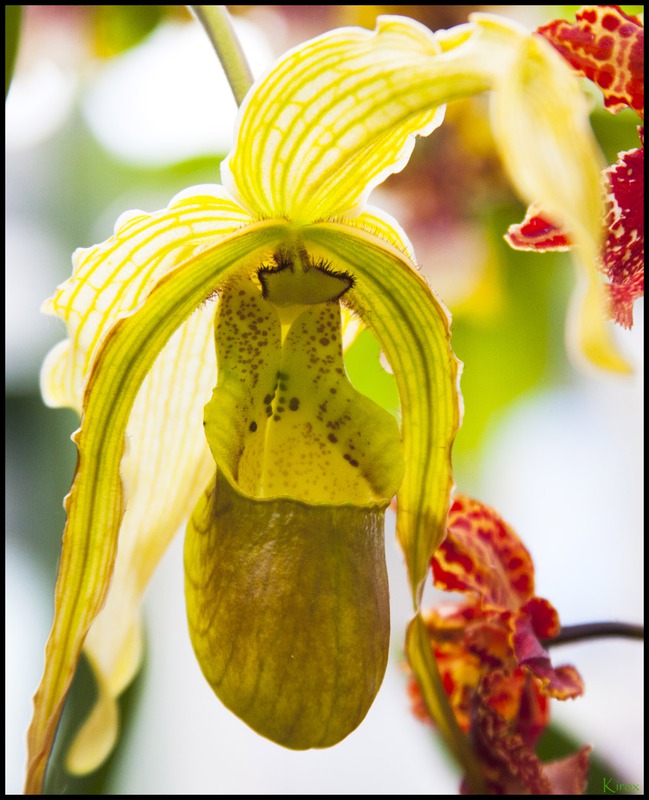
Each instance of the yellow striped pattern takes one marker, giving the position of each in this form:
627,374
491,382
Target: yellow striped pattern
95,505
167,462
332,120
112,279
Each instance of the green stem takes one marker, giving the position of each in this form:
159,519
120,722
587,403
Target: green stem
595,630
424,666
218,26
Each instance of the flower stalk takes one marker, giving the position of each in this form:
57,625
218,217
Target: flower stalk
595,630
424,667
218,26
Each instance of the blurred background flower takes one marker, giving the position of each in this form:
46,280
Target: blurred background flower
119,107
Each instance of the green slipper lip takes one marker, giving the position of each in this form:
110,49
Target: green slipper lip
288,611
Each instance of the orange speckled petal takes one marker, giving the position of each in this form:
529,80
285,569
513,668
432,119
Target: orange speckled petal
545,619
607,46
511,765
482,554
517,697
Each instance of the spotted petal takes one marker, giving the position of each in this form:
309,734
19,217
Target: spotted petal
412,327
607,46
623,257
482,554
504,622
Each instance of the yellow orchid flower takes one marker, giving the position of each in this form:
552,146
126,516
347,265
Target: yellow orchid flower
286,588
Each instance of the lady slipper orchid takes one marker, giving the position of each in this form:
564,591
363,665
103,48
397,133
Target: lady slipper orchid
286,589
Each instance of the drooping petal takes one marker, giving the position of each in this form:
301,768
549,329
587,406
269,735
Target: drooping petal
560,682
166,463
165,466
541,123
95,504
607,46
412,327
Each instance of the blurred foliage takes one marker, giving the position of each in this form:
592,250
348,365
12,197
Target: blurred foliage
518,350
40,453
95,178
116,28
13,17
368,376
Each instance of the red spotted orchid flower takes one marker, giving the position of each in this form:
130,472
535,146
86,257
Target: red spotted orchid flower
493,666
606,46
